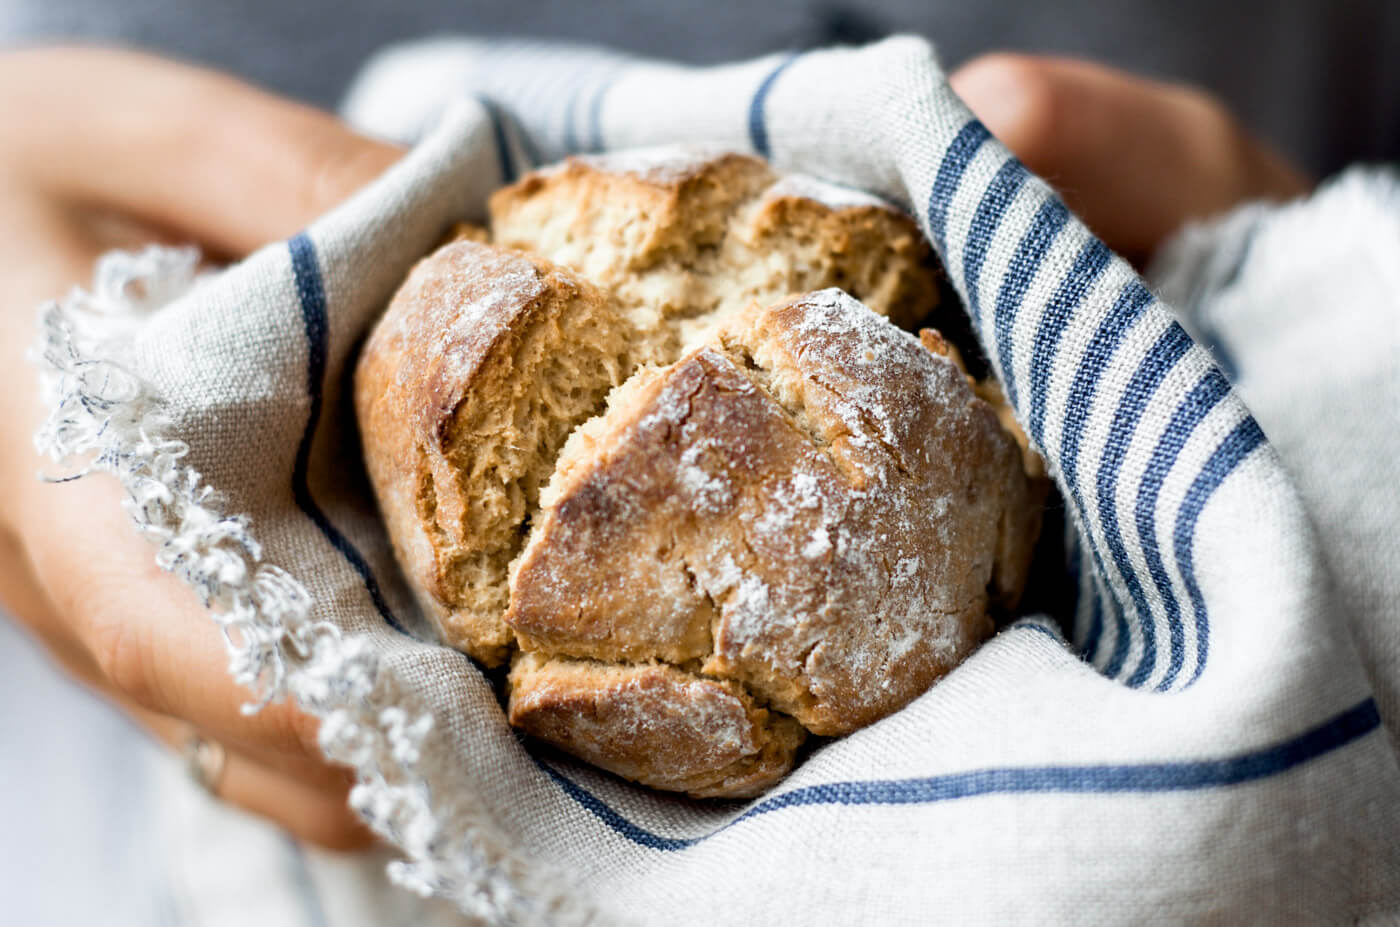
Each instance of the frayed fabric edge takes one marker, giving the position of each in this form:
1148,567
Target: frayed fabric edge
105,418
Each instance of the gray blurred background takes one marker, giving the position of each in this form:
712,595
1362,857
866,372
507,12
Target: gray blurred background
1321,80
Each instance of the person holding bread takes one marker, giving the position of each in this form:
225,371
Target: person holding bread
110,148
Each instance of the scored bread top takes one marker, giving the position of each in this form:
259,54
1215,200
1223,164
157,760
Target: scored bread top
797,525
654,723
461,428
814,506
484,361
683,239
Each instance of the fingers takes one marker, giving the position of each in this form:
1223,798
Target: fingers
22,599
309,799
169,148
1135,159
139,635
318,815
202,153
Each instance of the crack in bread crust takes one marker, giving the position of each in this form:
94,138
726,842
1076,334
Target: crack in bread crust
654,723
702,542
685,241
808,521
482,365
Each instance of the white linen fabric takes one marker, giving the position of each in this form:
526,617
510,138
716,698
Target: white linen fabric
1207,744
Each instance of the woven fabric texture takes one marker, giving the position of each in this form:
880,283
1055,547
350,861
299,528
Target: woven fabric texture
1205,745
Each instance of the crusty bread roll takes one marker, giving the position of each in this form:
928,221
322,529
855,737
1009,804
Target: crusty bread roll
684,238
700,515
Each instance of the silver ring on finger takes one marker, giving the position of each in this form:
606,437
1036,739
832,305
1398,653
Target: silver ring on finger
205,761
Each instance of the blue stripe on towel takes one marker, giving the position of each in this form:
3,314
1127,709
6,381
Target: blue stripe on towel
1025,264
945,186
1173,776
1238,445
996,199
1206,395
1096,597
504,156
1170,348
758,120
1088,265
613,818
1132,302
311,293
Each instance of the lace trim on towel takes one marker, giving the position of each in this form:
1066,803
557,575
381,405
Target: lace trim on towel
104,418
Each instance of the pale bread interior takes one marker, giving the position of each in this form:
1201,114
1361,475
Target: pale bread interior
663,258
678,256
684,244
561,359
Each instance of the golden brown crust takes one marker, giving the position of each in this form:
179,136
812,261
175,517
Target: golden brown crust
685,239
871,250
461,356
817,491
632,212
654,724
1020,526
605,574
799,524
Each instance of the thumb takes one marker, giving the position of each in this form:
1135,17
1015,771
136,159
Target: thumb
1134,158
198,152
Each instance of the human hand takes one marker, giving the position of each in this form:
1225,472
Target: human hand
1135,159
102,149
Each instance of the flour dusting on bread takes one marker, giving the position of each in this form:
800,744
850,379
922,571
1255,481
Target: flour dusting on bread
700,514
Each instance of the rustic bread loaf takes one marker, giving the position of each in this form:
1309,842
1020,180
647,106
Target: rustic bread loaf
814,506
699,515
687,237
